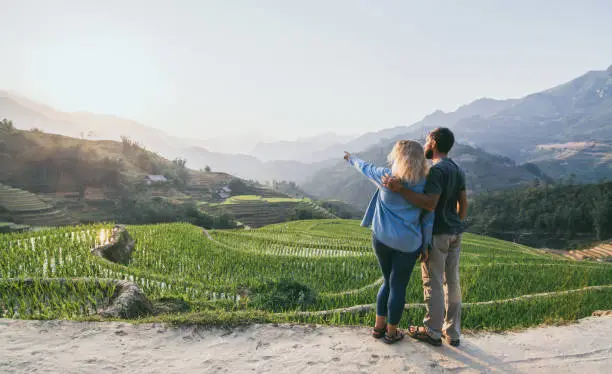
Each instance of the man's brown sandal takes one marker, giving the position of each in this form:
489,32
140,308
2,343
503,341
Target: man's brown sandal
419,333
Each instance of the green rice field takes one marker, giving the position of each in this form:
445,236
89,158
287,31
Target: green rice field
218,273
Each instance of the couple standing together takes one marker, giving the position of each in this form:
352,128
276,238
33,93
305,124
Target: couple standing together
413,202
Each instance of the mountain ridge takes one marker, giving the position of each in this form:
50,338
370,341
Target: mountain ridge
579,110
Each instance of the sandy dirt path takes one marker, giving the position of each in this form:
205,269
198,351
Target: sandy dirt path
78,347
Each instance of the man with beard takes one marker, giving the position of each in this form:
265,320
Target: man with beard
445,194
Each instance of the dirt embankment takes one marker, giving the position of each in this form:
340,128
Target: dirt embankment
80,347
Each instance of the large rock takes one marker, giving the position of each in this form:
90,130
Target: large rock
119,249
128,301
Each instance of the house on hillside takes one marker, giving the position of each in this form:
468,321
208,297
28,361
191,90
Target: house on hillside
224,192
154,179
94,193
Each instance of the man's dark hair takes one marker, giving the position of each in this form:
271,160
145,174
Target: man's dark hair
444,138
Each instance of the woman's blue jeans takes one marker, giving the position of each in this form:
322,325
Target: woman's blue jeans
396,267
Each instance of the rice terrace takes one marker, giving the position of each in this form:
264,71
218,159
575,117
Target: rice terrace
315,271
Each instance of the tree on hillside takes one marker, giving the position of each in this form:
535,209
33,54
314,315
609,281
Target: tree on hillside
7,124
561,216
129,144
143,161
601,212
180,162
207,169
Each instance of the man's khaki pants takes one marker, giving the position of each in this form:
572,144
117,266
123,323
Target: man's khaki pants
441,281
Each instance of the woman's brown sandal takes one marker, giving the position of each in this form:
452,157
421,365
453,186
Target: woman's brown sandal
379,333
399,335
419,333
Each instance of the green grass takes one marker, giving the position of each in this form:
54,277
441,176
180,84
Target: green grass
254,198
259,211
331,257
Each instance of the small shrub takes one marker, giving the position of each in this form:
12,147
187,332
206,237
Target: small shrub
302,213
283,295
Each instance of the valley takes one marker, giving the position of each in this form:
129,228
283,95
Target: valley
201,186
293,207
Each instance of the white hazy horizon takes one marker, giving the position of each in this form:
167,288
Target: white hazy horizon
276,70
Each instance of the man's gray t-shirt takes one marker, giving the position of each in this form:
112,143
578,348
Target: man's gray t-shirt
447,180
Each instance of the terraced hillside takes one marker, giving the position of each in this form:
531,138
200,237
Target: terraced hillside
227,276
258,211
600,252
23,207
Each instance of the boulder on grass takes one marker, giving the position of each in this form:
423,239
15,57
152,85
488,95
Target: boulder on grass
119,249
128,301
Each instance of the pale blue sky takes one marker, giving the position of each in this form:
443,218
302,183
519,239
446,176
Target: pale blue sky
293,68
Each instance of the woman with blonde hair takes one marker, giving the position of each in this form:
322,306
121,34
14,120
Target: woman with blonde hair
397,231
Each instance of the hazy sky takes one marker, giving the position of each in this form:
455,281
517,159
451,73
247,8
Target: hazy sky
291,68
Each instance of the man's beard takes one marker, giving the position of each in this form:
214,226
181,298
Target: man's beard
429,153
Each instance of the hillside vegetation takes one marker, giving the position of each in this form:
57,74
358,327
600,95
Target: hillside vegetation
563,216
95,181
258,211
42,163
305,271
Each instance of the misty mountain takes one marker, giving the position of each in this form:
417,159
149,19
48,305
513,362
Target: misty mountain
31,116
579,110
547,129
484,172
553,129
484,107
480,108
322,147
249,167
27,114
309,150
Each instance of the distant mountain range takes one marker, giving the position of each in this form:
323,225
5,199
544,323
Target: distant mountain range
309,150
563,130
575,112
559,133
27,114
